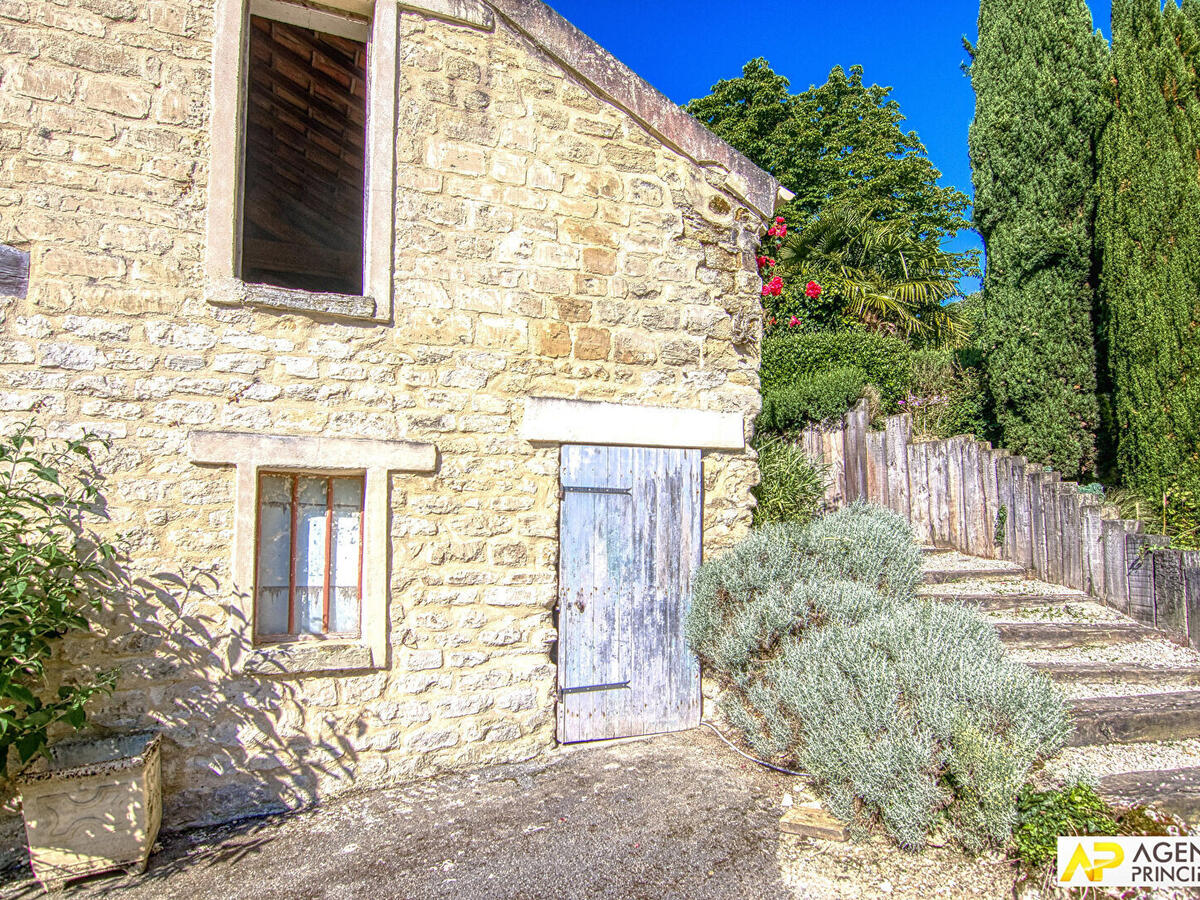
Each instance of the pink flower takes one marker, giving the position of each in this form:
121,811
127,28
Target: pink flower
779,220
793,322
762,261
813,290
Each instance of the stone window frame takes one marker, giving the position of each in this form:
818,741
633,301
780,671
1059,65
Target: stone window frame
375,460
378,21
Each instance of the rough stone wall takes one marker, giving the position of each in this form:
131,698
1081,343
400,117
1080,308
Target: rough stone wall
546,245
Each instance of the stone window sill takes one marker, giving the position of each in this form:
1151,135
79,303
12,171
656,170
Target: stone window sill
233,292
306,657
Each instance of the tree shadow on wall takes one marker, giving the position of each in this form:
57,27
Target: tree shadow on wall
234,746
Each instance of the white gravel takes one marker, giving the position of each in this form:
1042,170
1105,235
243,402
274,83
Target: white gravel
1156,652
1114,759
1078,690
1002,585
1069,613
1078,608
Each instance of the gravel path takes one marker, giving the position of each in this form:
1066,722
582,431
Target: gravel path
1157,652
676,816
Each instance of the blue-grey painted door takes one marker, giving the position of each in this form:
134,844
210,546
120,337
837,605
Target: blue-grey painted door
630,526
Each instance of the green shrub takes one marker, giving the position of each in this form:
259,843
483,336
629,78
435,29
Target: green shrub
817,397
1042,816
912,719
1035,199
53,573
856,558
835,569
1148,231
867,544
946,397
906,711
791,486
789,357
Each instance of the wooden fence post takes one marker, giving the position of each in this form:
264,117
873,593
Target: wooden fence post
1002,461
1052,510
1037,518
876,468
1191,586
1139,562
988,459
1020,515
1116,567
973,497
855,451
1093,548
1170,599
898,437
954,489
939,508
1071,521
833,443
918,475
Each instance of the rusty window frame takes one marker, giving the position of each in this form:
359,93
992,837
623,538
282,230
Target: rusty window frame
294,515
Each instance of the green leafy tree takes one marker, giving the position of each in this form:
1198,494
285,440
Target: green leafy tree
1149,231
54,572
1038,72
872,271
840,143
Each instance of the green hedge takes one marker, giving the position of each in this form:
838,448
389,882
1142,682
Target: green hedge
813,399
789,357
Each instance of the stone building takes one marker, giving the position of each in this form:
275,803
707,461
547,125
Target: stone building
341,282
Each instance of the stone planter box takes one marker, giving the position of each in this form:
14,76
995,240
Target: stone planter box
94,806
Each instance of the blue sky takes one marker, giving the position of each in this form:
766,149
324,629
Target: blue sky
682,47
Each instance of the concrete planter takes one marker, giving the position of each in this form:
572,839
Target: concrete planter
94,806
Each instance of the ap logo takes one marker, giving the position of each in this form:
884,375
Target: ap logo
1104,855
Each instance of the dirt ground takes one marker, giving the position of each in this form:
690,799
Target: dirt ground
672,816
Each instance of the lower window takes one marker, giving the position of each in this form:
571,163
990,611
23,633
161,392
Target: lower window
310,559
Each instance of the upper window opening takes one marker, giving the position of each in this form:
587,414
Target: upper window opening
305,159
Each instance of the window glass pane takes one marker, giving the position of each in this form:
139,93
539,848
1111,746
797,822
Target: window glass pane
310,556
347,555
274,546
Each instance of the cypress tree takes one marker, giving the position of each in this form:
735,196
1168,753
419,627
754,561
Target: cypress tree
1149,233
1038,72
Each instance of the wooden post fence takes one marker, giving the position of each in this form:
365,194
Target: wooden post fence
962,494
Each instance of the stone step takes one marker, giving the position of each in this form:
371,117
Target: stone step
1175,791
1065,636
1117,673
1006,601
988,573
1129,720
929,550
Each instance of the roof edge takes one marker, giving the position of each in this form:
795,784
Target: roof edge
626,89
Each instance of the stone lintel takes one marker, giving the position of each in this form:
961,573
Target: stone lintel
462,12
321,453
561,421
623,87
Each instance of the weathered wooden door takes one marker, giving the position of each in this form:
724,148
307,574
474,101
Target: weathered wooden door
629,545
